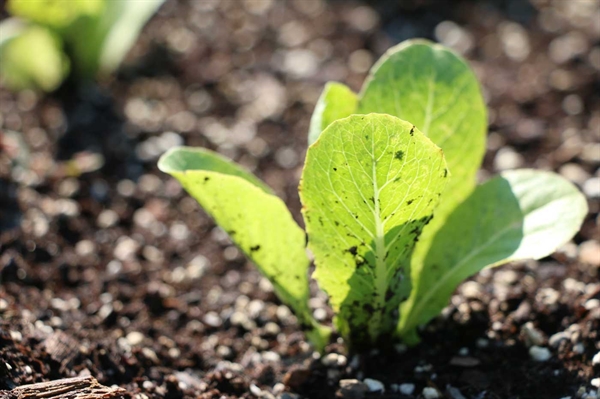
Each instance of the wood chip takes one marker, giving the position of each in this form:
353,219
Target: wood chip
67,388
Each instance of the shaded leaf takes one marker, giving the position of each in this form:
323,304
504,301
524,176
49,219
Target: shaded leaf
520,214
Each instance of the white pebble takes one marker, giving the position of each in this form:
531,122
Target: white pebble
125,248
256,391
596,382
85,248
579,348
591,187
329,360
406,389
320,314
507,158
374,385
270,356
596,359
430,393
539,354
135,338
533,336
557,338
107,218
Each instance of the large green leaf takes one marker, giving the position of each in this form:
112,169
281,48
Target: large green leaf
337,101
255,219
368,188
33,58
520,214
433,88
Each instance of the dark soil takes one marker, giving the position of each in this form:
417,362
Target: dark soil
109,269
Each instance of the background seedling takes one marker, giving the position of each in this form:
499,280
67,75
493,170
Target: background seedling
47,39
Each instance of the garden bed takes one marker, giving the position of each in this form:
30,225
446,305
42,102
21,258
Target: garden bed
113,271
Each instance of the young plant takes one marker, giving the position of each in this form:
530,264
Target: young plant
380,166
46,39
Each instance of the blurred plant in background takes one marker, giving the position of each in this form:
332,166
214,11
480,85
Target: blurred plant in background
46,40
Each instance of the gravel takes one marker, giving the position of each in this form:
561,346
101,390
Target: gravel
539,354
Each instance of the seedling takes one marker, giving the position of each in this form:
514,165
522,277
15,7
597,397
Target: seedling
47,39
393,214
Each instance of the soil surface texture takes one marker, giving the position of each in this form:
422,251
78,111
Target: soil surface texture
112,275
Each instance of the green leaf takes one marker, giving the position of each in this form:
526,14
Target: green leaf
255,219
368,188
434,88
54,13
100,44
337,101
33,58
520,214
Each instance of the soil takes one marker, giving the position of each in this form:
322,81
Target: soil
109,270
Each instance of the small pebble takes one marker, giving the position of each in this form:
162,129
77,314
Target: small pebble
212,319
596,382
256,391
430,393
333,360
352,389
270,356
272,328
423,369
126,188
557,338
374,385
406,389
107,218
539,354
592,304
454,393
574,173
596,359
533,336
135,338
320,314
16,336
591,187
125,248
278,388
578,348
507,158
85,248
589,252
